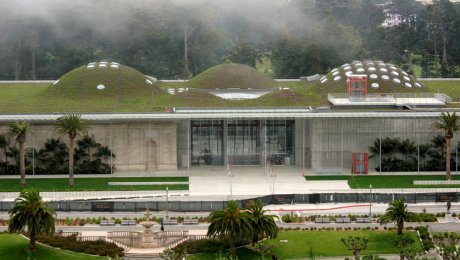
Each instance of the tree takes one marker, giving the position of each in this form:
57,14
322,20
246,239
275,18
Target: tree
449,123
30,210
355,244
262,225
19,130
406,247
170,254
264,247
397,213
4,144
230,223
72,125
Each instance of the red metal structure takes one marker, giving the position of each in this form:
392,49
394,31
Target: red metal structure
357,86
360,163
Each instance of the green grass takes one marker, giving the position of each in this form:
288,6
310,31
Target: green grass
43,98
324,244
93,184
387,181
231,75
13,246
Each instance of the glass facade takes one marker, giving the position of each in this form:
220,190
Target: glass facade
242,142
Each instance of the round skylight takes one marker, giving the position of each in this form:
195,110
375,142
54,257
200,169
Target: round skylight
335,73
100,87
385,77
418,85
334,70
406,78
56,82
347,68
383,70
102,65
324,80
360,70
171,91
348,73
375,85
404,73
337,78
407,85
394,73
371,69
114,66
148,81
373,76
90,66
397,81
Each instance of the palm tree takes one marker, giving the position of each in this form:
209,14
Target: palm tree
19,130
30,210
397,213
4,144
230,223
262,225
71,125
449,123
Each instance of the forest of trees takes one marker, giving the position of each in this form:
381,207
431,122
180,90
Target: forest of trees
42,39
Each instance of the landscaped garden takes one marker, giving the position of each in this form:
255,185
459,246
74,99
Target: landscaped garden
95,184
386,181
13,246
303,244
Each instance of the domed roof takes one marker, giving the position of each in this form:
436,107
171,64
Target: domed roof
103,79
381,77
231,75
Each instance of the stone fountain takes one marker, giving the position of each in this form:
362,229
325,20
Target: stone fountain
148,238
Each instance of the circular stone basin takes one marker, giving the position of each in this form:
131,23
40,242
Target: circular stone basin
337,78
347,68
418,85
408,85
396,80
406,78
147,224
394,73
100,87
375,85
385,77
372,69
373,76
348,73
383,70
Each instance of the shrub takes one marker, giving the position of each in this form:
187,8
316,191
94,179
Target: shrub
286,218
70,243
202,246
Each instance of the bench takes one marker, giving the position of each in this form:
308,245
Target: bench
109,222
363,220
322,220
342,220
170,222
128,222
191,222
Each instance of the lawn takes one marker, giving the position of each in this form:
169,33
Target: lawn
324,244
13,246
37,98
386,181
93,184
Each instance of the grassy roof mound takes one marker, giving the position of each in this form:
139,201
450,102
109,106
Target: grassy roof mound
231,75
118,81
336,78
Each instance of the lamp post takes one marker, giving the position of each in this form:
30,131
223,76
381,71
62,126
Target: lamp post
167,203
370,200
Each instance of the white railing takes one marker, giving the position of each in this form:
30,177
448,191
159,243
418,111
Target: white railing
392,97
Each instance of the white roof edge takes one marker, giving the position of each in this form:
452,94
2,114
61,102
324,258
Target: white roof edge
224,115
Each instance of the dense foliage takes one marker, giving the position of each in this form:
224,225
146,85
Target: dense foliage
179,38
71,243
90,157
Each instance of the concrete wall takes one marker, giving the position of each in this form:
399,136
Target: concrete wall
138,147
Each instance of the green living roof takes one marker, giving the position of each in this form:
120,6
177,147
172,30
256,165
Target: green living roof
231,75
